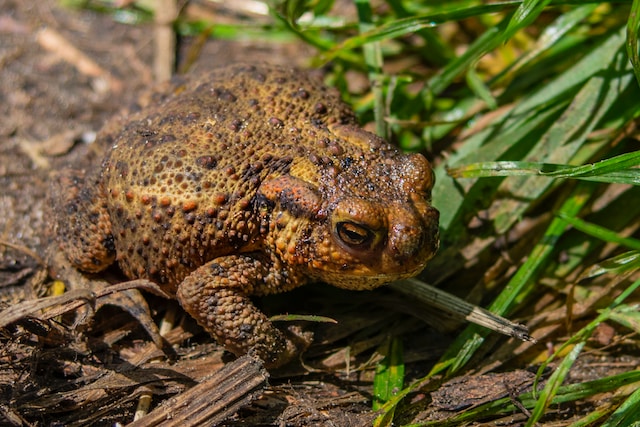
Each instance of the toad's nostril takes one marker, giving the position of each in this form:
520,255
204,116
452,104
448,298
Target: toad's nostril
406,241
416,240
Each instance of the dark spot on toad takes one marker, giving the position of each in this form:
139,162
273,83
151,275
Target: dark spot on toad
301,93
346,162
276,122
224,94
320,108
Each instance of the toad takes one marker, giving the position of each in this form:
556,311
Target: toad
248,181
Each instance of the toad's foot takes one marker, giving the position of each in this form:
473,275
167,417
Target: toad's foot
216,296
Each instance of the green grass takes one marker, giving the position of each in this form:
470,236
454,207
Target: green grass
528,109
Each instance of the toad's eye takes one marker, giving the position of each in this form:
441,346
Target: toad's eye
354,234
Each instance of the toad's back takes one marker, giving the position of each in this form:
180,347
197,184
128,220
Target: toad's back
187,169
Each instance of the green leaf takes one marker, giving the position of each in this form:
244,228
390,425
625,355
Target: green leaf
373,60
553,384
480,89
628,316
549,38
600,232
401,27
627,414
633,27
304,317
617,265
524,15
619,170
389,377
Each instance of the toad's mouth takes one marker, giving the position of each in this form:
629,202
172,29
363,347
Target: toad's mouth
367,282
359,279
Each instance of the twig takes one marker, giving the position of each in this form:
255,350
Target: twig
214,399
54,42
461,309
165,39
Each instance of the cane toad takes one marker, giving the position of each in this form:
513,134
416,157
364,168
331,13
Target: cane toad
247,181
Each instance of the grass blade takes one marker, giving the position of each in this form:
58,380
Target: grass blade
554,383
627,414
600,232
389,377
618,169
633,27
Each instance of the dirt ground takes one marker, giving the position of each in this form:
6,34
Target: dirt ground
96,373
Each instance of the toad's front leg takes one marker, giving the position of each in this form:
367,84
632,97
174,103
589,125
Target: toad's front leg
217,296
